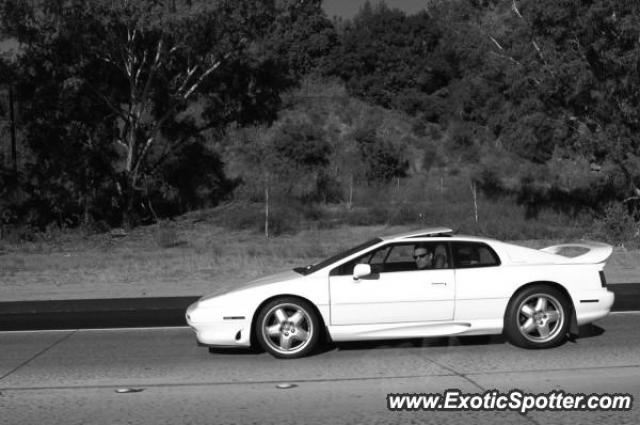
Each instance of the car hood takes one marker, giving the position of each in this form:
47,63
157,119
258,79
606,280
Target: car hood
263,281
274,278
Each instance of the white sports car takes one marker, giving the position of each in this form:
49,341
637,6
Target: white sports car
426,283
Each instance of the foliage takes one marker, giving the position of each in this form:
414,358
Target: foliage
137,111
321,147
303,37
616,225
112,91
383,57
539,82
383,161
571,85
193,178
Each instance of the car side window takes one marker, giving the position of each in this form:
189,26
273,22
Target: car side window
474,254
375,258
400,253
378,256
398,257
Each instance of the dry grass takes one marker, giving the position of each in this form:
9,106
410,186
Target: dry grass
204,258
200,257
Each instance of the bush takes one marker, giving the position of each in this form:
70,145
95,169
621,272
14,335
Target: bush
409,214
365,216
617,225
239,215
283,218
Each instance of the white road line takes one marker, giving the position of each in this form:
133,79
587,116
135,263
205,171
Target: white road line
38,331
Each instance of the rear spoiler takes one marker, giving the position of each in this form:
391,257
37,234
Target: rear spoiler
596,252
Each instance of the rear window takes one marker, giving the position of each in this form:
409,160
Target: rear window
474,254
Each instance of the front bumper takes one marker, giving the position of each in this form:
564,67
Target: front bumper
213,328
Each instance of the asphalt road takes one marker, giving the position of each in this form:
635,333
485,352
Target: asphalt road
71,377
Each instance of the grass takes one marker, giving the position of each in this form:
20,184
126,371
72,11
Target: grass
206,258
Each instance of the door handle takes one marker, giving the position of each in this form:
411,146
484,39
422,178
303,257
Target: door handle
439,283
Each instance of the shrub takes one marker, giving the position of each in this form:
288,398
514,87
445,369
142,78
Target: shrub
283,220
239,215
617,225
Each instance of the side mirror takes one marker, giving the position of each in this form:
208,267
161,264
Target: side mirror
361,270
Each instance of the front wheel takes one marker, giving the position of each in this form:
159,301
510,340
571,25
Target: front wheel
287,328
537,317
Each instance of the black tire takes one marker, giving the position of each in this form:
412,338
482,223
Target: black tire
537,317
287,328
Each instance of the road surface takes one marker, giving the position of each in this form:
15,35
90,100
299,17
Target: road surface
71,377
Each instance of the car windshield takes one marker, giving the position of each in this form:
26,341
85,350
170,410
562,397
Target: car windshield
315,267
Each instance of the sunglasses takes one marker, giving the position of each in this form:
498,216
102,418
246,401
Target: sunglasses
415,257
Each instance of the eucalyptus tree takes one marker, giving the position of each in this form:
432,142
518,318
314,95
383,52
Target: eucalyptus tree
572,97
133,82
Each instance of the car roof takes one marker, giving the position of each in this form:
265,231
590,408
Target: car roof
422,233
435,232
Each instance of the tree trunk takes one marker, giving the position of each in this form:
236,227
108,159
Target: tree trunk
130,176
127,195
131,142
474,193
85,210
350,201
14,147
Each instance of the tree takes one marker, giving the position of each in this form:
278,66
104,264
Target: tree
8,77
572,84
251,156
193,178
134,82
383,161
288,158
303,37
385,57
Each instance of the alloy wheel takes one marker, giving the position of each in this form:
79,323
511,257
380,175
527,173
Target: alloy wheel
540,318
287,328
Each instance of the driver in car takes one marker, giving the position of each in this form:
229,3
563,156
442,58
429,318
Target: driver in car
423,257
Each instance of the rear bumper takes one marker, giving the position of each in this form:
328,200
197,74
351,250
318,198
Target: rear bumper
593,305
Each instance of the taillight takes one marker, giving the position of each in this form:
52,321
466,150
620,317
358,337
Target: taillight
603,280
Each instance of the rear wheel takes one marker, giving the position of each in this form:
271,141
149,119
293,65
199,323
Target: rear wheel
537,317
287,328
